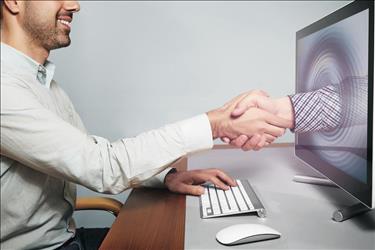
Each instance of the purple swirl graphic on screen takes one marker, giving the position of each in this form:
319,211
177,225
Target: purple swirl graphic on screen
338,55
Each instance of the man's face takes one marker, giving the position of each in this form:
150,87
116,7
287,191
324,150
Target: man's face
47,23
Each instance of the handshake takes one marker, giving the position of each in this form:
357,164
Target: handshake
252,120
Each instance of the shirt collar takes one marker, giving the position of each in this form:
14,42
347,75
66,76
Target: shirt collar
43,73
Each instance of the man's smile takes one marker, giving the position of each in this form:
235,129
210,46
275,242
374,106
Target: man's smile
65,20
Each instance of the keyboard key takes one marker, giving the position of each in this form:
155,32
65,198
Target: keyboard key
214,201
209,211
223,201
240,200
205,203
232,203
247,199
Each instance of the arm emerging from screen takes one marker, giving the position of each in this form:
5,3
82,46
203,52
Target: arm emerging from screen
333,106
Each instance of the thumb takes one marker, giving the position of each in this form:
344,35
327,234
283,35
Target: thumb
191,189
260,92
243,105
239,110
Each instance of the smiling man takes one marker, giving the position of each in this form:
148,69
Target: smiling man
45,149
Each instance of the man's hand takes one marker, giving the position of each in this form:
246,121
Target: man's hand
189,182
281,107
253,122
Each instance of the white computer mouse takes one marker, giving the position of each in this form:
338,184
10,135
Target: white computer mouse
246,233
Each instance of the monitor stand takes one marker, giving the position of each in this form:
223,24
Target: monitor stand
342,213
314,180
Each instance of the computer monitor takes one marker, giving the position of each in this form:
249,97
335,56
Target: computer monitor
339,50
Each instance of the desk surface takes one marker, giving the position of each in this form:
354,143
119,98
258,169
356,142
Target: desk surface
155,219
150,219
300,212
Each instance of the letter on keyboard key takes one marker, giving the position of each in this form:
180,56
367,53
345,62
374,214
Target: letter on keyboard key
232,203
214,201
239,198
223,201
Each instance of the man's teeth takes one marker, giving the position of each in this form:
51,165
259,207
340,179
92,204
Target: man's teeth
64,22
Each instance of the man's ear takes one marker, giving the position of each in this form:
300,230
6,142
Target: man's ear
12,6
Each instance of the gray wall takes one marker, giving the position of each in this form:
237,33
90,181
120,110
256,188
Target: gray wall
134,66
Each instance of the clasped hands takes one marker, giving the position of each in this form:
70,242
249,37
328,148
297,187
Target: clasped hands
252,120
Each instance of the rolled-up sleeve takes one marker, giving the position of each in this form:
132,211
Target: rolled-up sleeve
36,137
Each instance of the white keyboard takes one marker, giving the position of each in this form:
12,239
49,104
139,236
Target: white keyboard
216,202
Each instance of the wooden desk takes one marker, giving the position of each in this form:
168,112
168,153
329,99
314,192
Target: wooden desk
138,226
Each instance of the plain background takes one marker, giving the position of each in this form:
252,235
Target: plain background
137,65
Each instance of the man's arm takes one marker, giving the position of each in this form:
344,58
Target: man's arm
38,138
327,108
317,110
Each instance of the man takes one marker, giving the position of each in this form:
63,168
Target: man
45,149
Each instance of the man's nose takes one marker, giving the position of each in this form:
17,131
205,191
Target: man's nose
72,6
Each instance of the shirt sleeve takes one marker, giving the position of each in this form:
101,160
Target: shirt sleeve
317,110
38,138
157,181
334,106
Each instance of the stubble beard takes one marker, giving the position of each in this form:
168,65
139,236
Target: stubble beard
44,33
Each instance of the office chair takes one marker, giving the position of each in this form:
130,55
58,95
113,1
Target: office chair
110,205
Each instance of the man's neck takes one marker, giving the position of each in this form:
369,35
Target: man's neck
24,45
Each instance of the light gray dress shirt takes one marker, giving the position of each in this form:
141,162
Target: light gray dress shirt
45,150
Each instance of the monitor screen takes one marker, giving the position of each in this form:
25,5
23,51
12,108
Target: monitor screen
337,51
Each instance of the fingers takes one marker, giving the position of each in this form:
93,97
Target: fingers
225,177
217,177
269,138
225,139
218,182
189,189
189,182
252,142
257,142
261,144
239,141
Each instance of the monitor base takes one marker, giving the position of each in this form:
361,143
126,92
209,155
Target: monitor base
313,180
340,214
348,212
